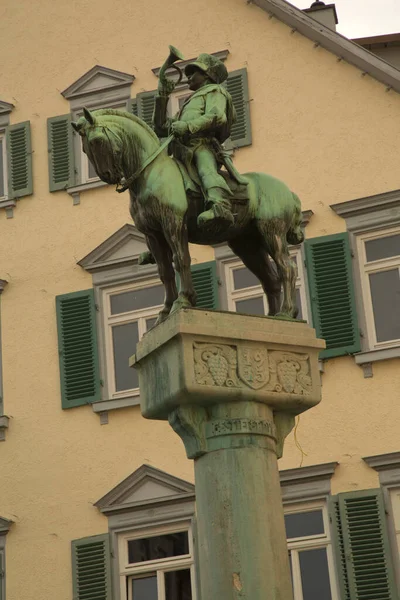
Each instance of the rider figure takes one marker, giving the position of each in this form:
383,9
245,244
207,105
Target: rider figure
201,126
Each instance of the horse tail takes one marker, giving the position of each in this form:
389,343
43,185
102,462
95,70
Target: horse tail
295,233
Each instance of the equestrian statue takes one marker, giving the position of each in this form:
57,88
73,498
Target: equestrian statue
184,187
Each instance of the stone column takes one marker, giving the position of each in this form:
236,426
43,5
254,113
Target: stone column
230,386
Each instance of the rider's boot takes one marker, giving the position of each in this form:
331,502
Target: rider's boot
218,213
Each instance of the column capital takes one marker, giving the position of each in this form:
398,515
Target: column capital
225,380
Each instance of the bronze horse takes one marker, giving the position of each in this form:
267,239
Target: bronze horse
122,148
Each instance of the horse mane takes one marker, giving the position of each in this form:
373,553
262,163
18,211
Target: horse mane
113,111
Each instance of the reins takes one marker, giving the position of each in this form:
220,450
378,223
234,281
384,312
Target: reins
127,182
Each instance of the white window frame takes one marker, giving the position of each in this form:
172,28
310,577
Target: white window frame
5,178
394,494
311,542
376,266
173,104
257,291
140,316
177,563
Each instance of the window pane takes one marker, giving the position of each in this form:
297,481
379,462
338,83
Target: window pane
383,247
182,100
315,574
125,337
251,306
298,304
1,169
244,278
150,323
385,293
145,588
291,567
177,585
159,546
304,524
136,299
92,173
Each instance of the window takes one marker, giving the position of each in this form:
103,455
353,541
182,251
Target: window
157,564
310,552
122,305
388,469
177,100
5,525
86,171
245,294
3,166
69,168
150,520
373,225
129,311
236,84
379,261
395,502
15,160
3,418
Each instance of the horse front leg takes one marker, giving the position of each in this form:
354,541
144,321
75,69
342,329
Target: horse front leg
162,254
177,239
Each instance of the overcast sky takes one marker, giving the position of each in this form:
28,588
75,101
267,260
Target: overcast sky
361,18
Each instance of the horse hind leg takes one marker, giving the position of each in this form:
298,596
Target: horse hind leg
276,245
255,257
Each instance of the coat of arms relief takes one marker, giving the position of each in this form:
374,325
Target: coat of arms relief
252,366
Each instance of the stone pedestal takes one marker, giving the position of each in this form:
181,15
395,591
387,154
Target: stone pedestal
231,385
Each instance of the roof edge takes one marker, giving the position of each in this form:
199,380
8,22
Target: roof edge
332,41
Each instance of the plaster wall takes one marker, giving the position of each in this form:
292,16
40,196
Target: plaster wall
330,133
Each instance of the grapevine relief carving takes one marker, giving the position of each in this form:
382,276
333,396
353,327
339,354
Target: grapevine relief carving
215,364
252,366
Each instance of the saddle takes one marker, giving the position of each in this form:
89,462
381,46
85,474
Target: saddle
240,194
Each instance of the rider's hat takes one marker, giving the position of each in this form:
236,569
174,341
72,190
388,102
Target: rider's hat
210,65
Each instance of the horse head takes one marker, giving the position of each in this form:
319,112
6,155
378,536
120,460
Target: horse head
102,144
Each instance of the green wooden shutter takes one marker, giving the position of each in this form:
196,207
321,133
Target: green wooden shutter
206,284
362,546
19,160
145,106
132,106
328,262
61,153
91,568
238,87
2,577
77,343
338,544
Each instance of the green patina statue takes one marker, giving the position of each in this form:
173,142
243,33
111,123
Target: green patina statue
189,196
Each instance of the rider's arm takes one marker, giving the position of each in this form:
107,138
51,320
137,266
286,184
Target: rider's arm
214,115
160,120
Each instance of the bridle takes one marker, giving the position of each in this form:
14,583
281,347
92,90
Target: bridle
125,183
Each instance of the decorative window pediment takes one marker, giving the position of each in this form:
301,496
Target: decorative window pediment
145,486
5,109
121,248
98,79
5,525
69,167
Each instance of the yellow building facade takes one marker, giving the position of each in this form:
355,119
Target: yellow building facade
315,110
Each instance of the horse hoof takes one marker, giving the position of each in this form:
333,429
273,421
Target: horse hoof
179,303
146,258
285,315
